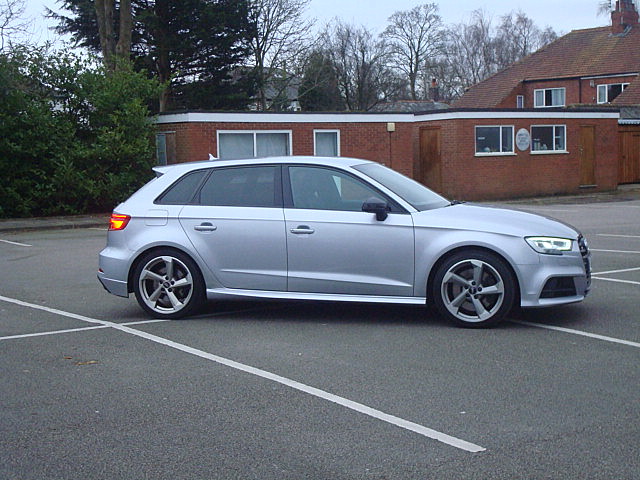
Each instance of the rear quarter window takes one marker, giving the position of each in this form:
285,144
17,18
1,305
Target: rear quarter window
183,190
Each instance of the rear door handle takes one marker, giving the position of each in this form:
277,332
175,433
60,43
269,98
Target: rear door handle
302,230
205,227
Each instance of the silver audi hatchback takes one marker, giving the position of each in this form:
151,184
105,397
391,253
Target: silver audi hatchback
332,229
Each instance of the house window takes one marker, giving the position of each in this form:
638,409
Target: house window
520,101
493,140
166,147
243,144
548,138
161,149
608,93
549,97
326,143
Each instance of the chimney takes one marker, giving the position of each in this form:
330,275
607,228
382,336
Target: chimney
434,91
623,17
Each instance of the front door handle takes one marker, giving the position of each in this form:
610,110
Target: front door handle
302,230
205,227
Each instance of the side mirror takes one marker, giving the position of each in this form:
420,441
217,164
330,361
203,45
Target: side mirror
377,206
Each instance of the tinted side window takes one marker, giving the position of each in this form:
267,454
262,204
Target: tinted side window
240,187
182,191
324,189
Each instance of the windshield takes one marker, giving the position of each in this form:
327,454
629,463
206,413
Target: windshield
416,194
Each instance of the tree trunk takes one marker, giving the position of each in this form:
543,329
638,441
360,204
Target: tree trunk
104,13
163,64
123,47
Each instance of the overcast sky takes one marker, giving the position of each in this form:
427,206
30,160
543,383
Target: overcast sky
562,15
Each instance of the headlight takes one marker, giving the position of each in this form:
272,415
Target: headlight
550,245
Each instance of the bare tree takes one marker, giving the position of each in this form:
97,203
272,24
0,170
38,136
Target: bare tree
114,47
12,21
281,38
476,50
469,47
517,37
415,37
360,62
604,7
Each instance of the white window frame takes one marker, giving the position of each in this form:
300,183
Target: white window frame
494,154
553,150
519,101
337,132
255,134
623,85
544,90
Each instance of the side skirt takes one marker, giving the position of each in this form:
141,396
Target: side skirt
218,293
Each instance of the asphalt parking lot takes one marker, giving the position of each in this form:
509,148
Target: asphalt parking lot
92,388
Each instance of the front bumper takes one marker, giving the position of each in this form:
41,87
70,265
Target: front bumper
557,279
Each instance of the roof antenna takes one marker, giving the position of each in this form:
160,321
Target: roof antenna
211,158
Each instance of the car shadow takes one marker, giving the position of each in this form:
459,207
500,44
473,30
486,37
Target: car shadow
319,312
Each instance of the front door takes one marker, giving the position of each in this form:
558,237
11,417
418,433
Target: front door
333,247
430,158
587,155
629,171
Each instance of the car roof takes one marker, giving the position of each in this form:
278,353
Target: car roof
180,168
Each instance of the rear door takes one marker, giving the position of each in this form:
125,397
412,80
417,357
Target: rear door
237,227
336,248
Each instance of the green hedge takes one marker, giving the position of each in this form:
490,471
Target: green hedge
72,138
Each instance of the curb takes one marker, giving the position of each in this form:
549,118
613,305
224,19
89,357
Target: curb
53,223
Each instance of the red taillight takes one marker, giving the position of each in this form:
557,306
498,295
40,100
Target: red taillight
118,222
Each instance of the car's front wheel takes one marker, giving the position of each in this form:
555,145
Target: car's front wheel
474,288
168,284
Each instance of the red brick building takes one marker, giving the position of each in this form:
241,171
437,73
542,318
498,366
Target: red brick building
597,66
550,124
464,154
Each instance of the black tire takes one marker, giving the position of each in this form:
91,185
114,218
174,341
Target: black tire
474,288
168,284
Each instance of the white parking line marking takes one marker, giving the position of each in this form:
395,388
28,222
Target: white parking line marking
579,332
56,332
617,236
16,243
614,251
316,392
615,280
617,271
72,330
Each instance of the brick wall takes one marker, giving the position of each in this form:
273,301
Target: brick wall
465,175
370,141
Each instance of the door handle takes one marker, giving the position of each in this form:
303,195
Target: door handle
205,227
302,230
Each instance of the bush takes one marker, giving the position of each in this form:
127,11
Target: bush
72,138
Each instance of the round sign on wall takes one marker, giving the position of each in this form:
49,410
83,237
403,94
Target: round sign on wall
523,139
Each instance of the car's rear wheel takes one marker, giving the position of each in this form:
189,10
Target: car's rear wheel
474,288
168,284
